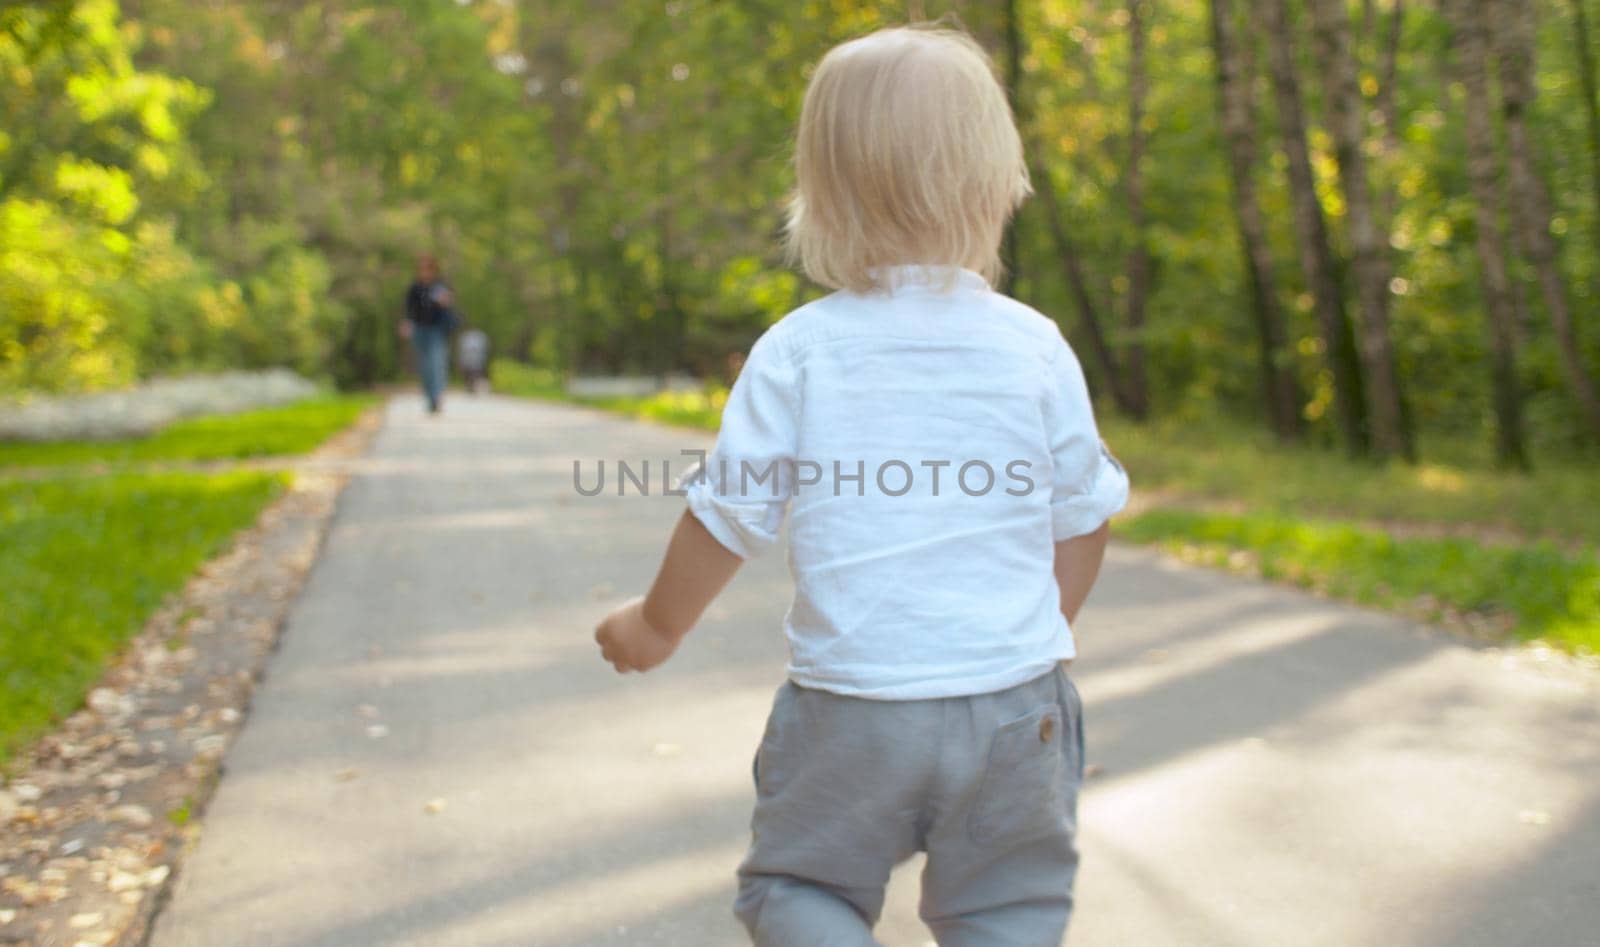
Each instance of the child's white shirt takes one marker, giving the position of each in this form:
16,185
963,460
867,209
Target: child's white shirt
913,581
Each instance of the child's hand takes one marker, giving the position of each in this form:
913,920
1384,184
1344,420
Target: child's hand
628,641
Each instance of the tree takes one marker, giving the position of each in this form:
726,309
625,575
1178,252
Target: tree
1103,357
1137,269
1471,60
1386,103
1013,63
1347,123
1590,104
1512,28
1236,108
1311,229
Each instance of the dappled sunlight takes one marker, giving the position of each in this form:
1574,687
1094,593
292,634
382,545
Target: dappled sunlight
1391,782
592,909
1438,479
1287,816
471,857
1186,657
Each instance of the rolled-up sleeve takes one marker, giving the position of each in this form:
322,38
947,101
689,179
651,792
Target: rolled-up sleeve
741,491
1089,485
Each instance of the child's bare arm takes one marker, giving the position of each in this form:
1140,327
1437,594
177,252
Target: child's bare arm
1077,566
645,631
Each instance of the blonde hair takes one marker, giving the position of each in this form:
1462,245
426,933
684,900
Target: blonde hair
907,154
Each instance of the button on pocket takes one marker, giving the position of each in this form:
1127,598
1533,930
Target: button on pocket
1023,791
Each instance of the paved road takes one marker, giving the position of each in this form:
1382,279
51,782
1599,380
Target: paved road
437,756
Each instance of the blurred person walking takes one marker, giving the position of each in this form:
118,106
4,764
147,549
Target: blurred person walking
472,358
429,317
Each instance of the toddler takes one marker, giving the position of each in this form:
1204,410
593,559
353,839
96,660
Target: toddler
932,444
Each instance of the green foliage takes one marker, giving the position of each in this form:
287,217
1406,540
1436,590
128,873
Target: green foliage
269,432
695,409
1540,590
525,381
97,285
190,184
86,561
57,281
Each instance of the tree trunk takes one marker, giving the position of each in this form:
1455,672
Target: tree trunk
1389,71
1511,26
1591,105
1369,242
1138,265
1386,103
1235,104
1472,69
1088,313
1013,41
1311,230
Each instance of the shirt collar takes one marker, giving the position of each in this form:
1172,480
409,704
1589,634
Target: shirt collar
919,277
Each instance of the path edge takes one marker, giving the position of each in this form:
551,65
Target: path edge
95,822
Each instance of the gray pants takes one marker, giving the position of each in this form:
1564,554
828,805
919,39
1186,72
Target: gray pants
847,788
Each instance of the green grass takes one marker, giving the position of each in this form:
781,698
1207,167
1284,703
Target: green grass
86,561
1533,590
1229,465
269,432
698,409
524,381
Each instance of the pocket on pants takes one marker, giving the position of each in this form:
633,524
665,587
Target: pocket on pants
1022,794
773,762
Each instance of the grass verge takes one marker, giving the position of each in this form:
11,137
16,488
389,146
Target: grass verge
268,432
86,561
697,409
525,381
1532,590
1232,465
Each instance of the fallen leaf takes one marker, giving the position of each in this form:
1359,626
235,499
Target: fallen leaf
134,815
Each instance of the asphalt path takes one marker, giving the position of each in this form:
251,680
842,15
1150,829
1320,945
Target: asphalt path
437,756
